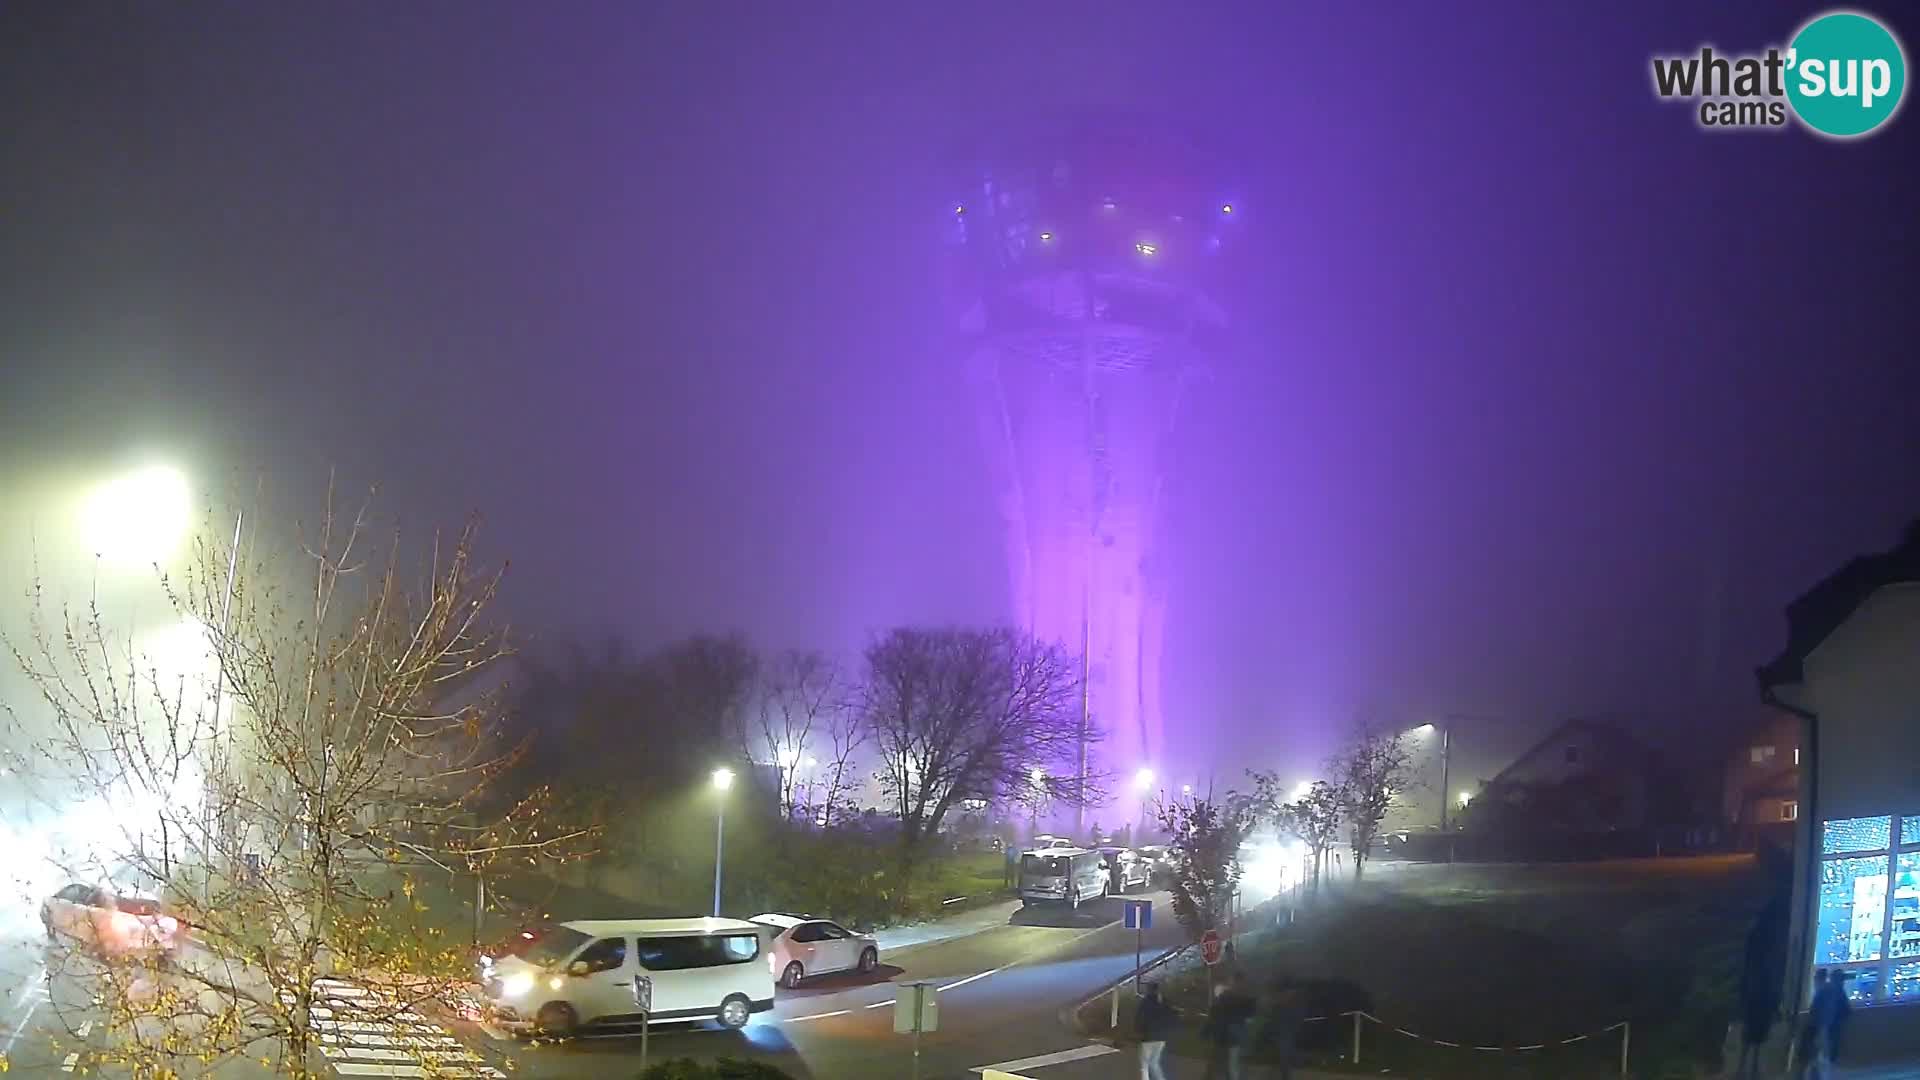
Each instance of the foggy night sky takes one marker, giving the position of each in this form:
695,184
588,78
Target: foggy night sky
1540,390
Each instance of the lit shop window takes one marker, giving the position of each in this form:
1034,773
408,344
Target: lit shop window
1869,913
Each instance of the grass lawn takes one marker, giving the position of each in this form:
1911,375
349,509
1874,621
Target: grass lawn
1516,955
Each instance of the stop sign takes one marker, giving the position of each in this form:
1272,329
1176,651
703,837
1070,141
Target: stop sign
1210,947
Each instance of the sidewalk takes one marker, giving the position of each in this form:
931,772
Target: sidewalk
971,921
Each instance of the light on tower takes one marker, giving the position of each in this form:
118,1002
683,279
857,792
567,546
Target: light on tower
1145,248
1226,208
1143,779
722,779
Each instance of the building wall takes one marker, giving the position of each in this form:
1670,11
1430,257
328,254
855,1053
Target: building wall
1779,731
1863,684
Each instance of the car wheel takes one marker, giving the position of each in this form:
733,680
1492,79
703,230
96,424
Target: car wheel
791,977
869,959
736,1010
556,1019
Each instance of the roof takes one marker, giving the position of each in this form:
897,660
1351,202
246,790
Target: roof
1814,617
1066,852
661,927
780,919
1600,728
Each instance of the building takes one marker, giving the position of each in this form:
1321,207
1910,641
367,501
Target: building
1083,268
1760,792
1586,775
1851,672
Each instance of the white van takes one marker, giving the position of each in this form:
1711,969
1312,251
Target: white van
1062,875
580,974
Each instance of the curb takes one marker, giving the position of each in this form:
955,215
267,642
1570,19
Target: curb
1070,1016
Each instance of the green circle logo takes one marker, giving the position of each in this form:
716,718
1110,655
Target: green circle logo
1846,74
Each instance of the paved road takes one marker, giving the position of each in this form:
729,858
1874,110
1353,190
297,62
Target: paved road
1001,994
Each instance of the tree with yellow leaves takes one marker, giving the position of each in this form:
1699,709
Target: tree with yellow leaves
328,741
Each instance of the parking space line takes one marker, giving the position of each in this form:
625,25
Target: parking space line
818,1016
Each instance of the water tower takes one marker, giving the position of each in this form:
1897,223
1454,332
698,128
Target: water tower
1083,272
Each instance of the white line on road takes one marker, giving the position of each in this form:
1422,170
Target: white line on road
822,1016
972,978
67,1064
880,1004
20,1028
1061,1058
85,1027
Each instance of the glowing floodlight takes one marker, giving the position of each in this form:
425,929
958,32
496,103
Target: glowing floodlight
138,518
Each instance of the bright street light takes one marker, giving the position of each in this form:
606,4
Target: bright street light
1143,779
1301,790
138,518
1038,775
722,780
1465,798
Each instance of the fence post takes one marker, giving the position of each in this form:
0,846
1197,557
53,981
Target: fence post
1113,1011
1356,1037
1626,1038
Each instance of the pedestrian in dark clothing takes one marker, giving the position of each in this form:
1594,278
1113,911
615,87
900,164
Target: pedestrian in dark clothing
1826,1018
1226,1031
1760,975
1283,1009
1154,1022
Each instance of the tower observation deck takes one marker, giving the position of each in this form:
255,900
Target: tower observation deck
1082,272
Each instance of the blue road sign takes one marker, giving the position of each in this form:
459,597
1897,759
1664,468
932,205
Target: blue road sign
1139,914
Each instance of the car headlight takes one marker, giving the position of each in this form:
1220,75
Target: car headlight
516,984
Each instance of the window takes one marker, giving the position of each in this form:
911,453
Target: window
681,953
607,954
833,933
1867,928
555,945
1761,754
1789,811
808,933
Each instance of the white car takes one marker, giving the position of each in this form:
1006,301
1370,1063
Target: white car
803,947
115,923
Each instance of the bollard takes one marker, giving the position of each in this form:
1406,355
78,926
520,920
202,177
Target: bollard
1113,1013
1356,1038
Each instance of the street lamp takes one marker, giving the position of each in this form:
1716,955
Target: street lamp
1143,779
1446,764
1301,790
137,518
722,781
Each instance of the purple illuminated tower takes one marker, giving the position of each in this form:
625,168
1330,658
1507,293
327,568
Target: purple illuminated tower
1083,278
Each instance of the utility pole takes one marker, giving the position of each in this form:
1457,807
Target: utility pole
1446,747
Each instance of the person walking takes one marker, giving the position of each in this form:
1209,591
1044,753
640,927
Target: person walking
1226,1030
1826,1017
1154,1021
1760,976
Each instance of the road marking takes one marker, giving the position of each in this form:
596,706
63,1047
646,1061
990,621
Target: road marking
84,1028
1080,1053
973,978
20,1028
67,1064
821,1016
880,1004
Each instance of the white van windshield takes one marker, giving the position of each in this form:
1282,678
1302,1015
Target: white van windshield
555,945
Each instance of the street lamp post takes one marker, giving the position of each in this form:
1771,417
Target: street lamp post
722,780
1143,783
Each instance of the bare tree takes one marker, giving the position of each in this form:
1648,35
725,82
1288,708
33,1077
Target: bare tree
803,723
1314,818
959,714
1372,772
321,738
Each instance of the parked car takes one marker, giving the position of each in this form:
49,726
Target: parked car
114,923
1126,869
581,974
803,947
1062,875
